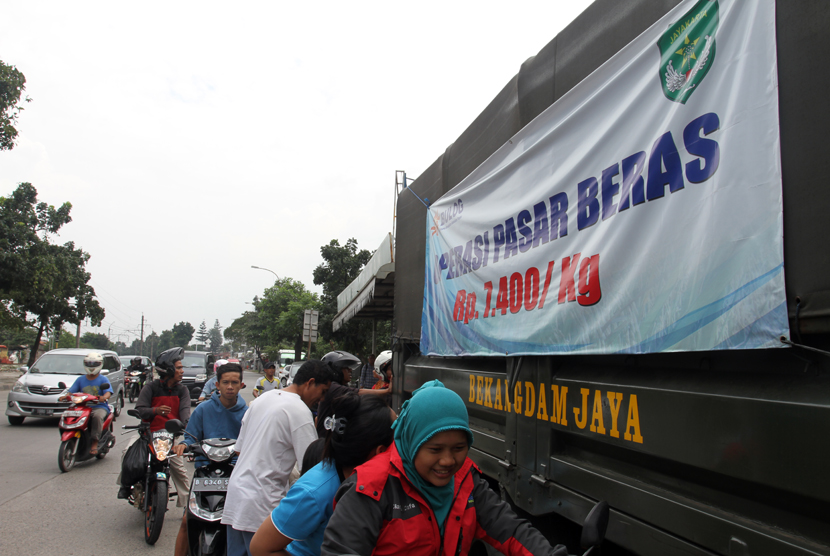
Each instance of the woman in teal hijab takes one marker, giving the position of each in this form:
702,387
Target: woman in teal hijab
424,496
438,412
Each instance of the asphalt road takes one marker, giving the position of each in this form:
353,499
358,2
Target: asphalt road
44,511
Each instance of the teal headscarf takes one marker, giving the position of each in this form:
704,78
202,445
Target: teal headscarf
432,409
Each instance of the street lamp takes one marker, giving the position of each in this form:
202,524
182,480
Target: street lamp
271,271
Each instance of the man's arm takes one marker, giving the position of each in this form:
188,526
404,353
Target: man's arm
373,392
74,389
144,403
107,391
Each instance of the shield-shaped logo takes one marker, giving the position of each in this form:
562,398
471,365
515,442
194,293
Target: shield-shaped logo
687,51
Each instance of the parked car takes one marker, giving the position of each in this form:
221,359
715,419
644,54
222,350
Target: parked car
288,373
36,393
198,369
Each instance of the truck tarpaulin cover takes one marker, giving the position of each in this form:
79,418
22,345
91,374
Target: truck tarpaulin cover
640,213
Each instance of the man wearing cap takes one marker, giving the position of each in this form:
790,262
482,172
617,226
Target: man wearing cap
268,382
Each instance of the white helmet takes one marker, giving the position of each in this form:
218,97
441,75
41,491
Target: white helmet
93,362
382,363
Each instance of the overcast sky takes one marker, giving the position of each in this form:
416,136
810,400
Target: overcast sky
195,139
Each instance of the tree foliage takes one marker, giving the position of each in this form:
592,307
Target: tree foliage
341,265
151,345
19,336
215,337
202,335
181,334
12,85
95,341
276,321
41,284
281,307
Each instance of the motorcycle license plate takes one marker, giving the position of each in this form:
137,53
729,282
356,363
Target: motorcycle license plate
201,483
42,411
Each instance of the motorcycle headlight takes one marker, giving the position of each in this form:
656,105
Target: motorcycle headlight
135,373
77,399
198,511
201,378
19,387
79,423
161,447
218,454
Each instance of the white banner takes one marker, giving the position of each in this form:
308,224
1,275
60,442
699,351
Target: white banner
640,213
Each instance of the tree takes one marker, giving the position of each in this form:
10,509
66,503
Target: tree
66,339
135,347
182,334
165,341
281,312
202,335
41,284
248,330
151,342
22,336
341,265
12,85
95,341
215,337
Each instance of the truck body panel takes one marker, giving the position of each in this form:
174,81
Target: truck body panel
718,452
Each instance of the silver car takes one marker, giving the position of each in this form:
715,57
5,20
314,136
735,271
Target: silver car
36,393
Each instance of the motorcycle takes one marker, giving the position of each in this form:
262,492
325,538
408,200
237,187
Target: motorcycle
205,534
76,438
134,381
150,493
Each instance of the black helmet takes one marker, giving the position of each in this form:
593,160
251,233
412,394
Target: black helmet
338,360
166,361
136,360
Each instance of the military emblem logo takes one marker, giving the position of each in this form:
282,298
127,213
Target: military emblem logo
687,51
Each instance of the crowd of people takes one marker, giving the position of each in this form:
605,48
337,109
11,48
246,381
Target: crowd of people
326,468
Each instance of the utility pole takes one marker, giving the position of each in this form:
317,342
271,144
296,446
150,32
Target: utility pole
142,335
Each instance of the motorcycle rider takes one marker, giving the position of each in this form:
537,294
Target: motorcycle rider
146,372
219,417
210,386
94,384
268,382
160,400
342,363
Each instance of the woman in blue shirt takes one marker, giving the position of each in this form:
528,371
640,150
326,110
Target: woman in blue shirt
359,428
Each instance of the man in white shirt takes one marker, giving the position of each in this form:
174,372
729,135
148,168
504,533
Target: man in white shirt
276,431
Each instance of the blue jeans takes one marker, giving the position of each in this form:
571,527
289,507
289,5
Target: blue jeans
239,542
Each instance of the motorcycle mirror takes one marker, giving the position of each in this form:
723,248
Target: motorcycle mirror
62,385
133,413
593,532
242,387
174,426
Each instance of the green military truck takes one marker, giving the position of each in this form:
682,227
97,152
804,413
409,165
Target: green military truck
661,348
